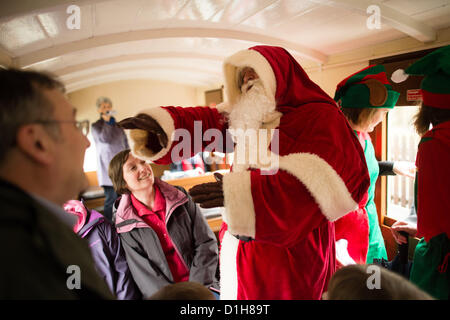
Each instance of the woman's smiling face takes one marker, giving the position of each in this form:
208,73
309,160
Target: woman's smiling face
137,174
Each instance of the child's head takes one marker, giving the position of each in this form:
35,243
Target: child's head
183,291
371,282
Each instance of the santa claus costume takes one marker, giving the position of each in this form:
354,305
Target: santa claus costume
277,241
430,269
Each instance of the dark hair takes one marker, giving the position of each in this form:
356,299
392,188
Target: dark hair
115,171
429,115
351,283
22,102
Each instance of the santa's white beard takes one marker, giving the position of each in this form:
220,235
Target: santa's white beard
252,107
245,125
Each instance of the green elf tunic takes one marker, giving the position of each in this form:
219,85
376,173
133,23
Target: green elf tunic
430,266
377,249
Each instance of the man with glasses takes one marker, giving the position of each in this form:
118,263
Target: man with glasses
42,148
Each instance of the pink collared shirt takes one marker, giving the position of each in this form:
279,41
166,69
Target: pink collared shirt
156,220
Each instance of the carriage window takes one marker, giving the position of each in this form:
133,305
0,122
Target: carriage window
402,141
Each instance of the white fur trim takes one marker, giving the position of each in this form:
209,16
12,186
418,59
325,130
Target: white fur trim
137,138
324,184
228,267
342,254
255,60
224,107
238,202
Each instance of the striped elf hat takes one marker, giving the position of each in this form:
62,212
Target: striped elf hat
367,88
435,85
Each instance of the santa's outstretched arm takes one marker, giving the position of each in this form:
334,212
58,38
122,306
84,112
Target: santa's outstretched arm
167,134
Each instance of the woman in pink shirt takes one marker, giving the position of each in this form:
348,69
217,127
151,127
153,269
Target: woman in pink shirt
165,236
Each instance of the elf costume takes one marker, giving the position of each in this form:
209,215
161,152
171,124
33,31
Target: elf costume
277,241
367,88
430,266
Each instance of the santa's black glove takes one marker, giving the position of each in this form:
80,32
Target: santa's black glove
156,137
209,195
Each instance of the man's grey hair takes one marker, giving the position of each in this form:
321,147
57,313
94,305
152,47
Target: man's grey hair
23,102
101,100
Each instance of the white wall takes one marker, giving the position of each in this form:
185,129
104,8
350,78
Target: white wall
328,78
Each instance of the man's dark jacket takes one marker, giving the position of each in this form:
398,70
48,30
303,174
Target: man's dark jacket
38,251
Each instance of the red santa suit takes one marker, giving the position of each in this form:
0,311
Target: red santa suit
320,175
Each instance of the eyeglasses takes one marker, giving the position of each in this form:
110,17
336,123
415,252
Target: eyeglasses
83,126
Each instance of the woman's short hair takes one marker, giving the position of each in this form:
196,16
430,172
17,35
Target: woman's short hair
115,171
101,100
359,116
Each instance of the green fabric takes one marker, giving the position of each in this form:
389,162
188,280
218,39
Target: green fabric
358,95
377,249
358,77
353,94
436,69
438,83
362,74
428,257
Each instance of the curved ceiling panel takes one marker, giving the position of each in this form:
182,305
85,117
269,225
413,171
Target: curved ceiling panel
95,41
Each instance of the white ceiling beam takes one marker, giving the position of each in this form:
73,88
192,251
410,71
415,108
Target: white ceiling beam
392,17
135,57
73,86
34,57
148,68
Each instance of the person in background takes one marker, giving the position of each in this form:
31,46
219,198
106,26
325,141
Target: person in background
106,249
109,140
365,98
165,236
42,150
430,269
194,163
371,282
